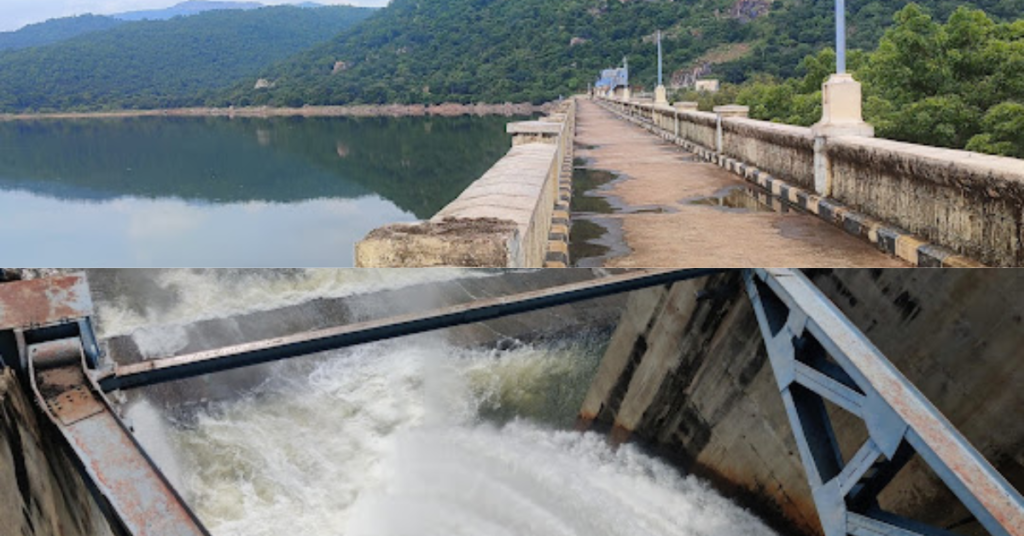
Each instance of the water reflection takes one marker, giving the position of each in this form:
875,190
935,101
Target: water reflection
236,192
44,231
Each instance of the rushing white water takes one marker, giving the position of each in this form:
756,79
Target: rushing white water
205,294
414,437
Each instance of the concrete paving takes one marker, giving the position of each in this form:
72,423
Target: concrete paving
660,200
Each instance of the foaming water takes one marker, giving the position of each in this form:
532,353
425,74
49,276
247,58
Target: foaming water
204,294
405,437
418,438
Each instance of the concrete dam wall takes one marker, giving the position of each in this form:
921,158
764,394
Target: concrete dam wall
687,375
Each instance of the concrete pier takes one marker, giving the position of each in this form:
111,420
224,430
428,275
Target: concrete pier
686,374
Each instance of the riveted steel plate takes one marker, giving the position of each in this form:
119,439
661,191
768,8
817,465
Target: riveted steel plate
40,302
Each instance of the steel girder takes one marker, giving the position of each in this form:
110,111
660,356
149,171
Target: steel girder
816,355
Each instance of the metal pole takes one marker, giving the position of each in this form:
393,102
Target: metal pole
659,57
840,36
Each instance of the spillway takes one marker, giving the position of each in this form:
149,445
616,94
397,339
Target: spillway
410,436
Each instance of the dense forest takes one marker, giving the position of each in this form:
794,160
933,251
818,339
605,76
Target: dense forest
55,30
536,50
153,64
958,84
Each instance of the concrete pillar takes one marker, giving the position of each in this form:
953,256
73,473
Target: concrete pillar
625,94
723,112
660,96
841,109
841,115
524,132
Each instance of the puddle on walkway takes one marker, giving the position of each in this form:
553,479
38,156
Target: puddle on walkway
594,240
585,180
581,235
743,198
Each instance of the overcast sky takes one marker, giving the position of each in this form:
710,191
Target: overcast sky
16,13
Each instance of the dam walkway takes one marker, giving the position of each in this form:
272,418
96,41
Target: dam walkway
655,204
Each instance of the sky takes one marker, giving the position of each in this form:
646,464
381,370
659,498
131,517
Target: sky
17,13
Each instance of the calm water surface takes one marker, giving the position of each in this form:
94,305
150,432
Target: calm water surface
227,192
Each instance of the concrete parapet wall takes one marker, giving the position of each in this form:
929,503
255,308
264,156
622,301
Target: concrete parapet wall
41,492
958,205
785,151
686,374
503,219
969,202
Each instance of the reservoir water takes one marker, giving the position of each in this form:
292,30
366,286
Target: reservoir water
407,437
189,192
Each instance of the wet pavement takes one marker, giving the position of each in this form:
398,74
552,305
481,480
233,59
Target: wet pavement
639,201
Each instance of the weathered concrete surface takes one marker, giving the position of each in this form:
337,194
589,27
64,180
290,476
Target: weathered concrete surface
448,242
503,219
969,202
684,234
500,220
690,378
41,493
524,132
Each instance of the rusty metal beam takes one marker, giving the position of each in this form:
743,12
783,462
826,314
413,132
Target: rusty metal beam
137,493
156,371
46,329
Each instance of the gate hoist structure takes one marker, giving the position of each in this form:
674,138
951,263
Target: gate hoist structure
815,352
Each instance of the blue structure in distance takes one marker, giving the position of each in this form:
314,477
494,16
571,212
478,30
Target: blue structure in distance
611,79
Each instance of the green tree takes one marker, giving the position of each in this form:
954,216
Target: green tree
1003,131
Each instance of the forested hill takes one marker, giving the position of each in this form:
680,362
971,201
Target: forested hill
55,30
535,50
152,64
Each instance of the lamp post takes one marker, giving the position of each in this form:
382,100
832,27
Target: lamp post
659,57
660,96
841,113
625,68
840,36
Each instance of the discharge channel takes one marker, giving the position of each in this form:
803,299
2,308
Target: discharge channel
408,437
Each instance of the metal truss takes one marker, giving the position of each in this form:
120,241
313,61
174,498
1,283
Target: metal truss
816,355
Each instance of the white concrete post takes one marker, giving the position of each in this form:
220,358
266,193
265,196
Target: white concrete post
721,112
840,116
822,168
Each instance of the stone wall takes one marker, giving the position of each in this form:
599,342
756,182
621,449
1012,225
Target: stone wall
948,207
503,219
41,492
686,374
